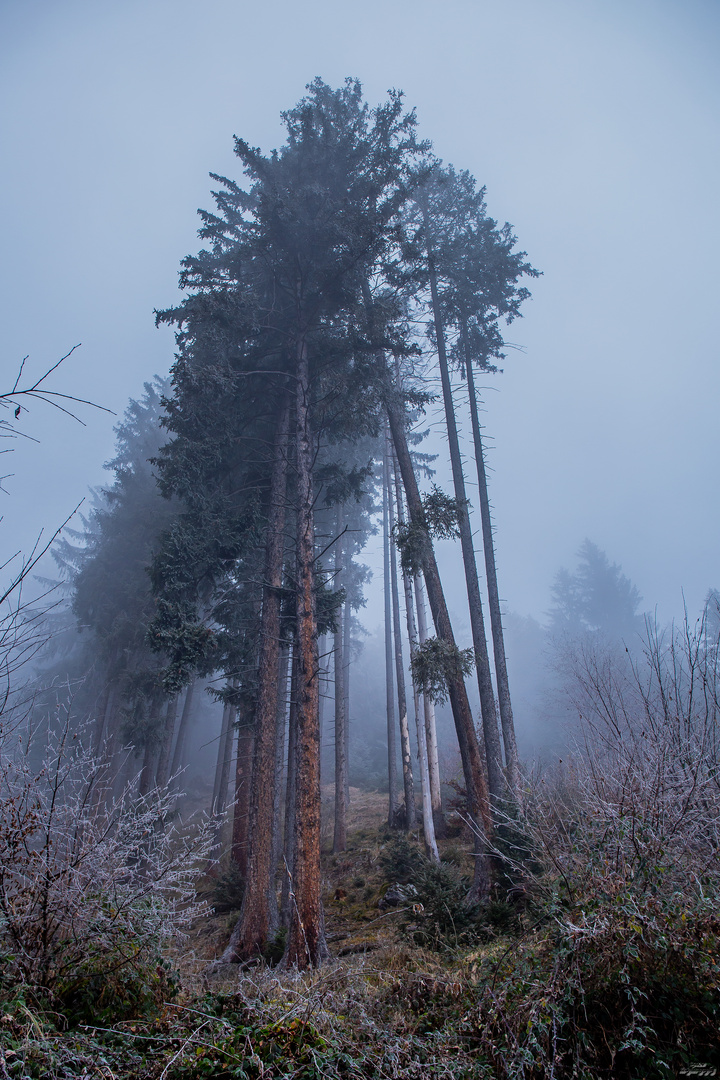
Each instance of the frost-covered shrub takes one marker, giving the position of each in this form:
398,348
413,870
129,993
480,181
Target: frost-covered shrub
92,886
622,974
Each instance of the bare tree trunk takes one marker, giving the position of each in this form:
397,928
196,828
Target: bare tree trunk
276,846
470,752
241,806
220,787
496,779
125,771
430,725
340,830
431,849
112,731
323,686
290,799
151,752
103,745
506,713
253,926
347,623
180,752
101,722
408,784
147,772
222,765
389,677
163,767
306,945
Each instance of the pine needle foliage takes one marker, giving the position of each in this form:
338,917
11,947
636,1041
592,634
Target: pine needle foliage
434,665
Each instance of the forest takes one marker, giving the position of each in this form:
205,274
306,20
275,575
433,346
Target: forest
244,836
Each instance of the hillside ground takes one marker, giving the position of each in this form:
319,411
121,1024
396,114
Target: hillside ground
423,988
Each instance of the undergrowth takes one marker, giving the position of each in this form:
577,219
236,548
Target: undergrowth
597,956
620,983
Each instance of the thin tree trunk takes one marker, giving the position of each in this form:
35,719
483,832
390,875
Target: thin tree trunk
290,789
112,727
125,773
180,751
147,772
496,779
430,724
347,624
101,722
431,849
241,804
470,752
323,686
408,784
163,767
103,746
223,757
506,713
150,755
340,830
306,945
277,835
222,779
252,929
389,677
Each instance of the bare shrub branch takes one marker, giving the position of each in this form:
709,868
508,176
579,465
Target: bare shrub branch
89,888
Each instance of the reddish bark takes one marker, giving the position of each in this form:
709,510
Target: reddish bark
306,939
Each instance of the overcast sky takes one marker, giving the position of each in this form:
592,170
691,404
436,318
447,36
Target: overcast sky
594,126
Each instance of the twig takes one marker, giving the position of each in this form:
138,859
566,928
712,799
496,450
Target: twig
187,1042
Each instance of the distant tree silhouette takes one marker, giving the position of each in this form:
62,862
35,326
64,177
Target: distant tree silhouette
596,598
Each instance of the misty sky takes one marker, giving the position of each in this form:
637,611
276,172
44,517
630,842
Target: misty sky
594,126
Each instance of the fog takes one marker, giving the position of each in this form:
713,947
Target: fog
593,126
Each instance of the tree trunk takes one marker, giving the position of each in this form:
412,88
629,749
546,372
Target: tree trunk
347,623
220,787
103,746
496,779
147,772
163,767
223,756
389,677
290,790
430,725
277,832
253,926
470,752
323,687
101,723
306,939
241,805
431,849
340,830
180,751
506,714
408,784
